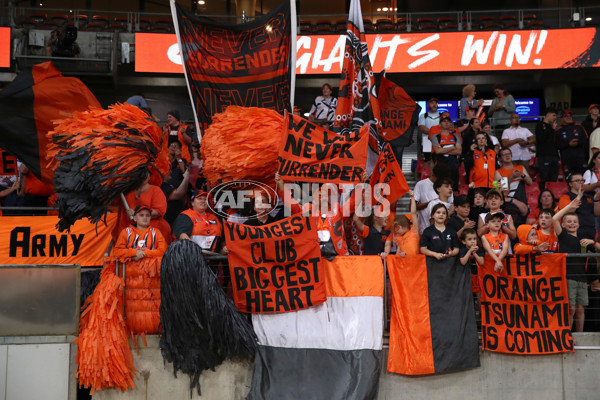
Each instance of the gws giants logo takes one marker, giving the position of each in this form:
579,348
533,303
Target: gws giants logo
251,199
174,54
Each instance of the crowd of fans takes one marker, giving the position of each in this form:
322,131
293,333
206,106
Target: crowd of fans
484,210
502,171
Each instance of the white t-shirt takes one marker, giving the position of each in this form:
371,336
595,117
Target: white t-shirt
428,119
424,193
519,153
594,141
589,177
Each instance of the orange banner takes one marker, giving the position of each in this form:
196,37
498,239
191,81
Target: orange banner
399,112
432,328
416,52
525,308
410,333
275,267
387,181
310,153
35,240
4,47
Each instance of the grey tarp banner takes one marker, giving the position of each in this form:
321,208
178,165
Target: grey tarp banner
315,374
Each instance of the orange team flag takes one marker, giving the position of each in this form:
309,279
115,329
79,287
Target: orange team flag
357,100
433,328
399,113
332,351
310,153
388,172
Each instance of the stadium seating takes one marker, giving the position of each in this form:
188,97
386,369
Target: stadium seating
420,165
402,25
117,27
341,26
511,25
384,25
557,188
81,19
94,27
507,18
163,21
323,26
446,24
30,23
462,175
426,24
49,25
144,26
60,18
535,24
533,193
39,17
491,26
101,19
160,29
305,27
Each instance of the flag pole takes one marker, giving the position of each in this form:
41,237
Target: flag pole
294,40
187,82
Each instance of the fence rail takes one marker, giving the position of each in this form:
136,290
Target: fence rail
567,17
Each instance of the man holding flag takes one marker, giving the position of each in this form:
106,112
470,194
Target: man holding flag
392,116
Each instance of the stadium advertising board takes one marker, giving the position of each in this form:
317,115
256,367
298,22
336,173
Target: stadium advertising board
416,52
4,47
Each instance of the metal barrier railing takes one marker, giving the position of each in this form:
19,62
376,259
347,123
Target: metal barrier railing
568,17
594,310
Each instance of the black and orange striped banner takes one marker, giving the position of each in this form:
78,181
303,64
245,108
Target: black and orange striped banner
433,325
236,64
28,107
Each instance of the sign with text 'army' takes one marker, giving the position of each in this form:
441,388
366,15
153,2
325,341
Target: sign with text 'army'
35,240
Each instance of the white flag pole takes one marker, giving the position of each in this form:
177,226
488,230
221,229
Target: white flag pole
294,39
176,25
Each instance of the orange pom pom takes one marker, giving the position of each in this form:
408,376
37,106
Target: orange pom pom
242,143
103,358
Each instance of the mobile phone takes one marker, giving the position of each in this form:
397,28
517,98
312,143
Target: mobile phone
504,182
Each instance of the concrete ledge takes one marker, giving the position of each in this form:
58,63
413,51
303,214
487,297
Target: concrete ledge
501,376
155,379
